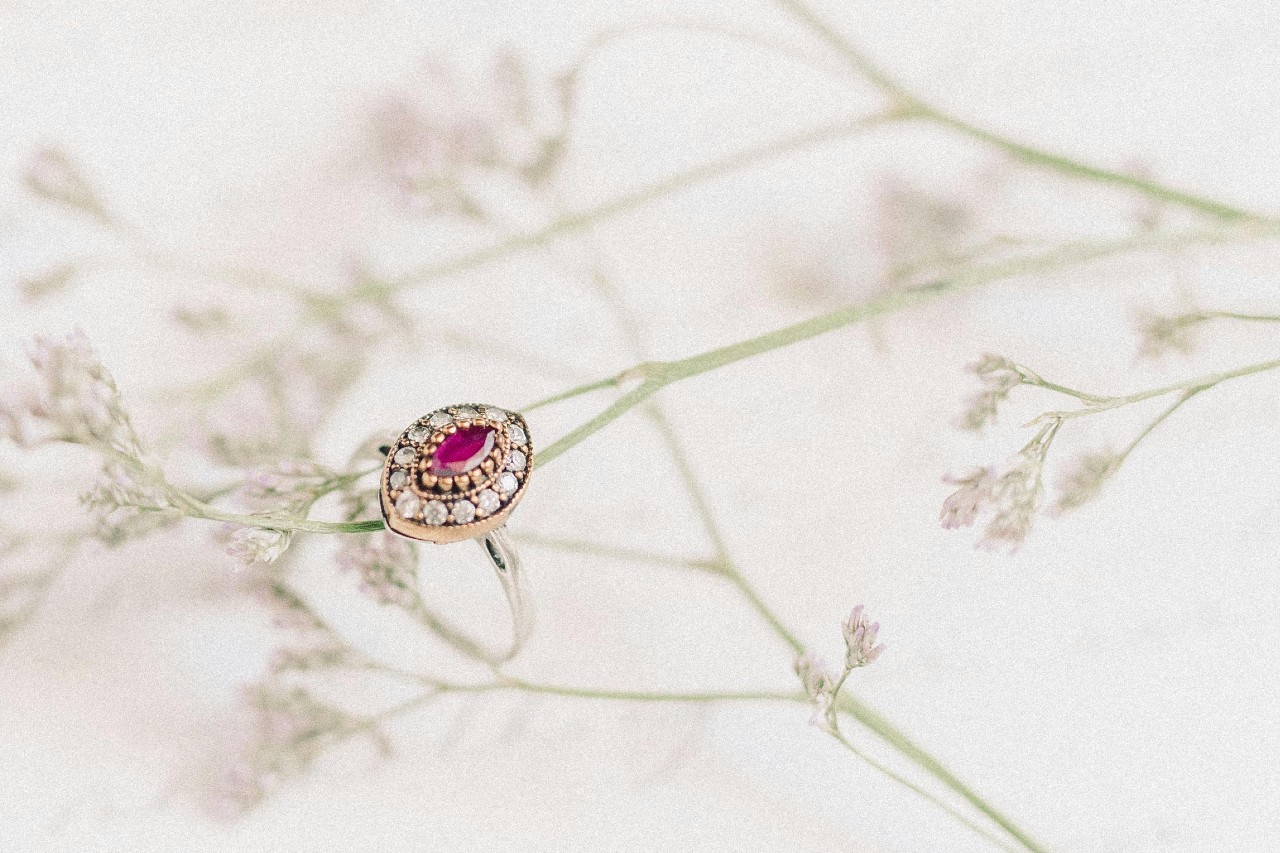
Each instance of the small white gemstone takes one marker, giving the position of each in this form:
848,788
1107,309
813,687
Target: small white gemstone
495,414
466,412
419,434
516,433
464,511
488,502
398,479
508,483
407,505
440,419
404,456
516,461
435,512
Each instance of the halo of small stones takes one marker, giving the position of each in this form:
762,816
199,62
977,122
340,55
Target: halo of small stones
418,495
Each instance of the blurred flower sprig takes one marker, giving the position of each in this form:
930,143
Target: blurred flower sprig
432,160
1010,495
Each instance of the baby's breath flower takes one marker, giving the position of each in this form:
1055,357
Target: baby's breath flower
1012,495
919,230
292,727
307,642
290,487
819,686
129,499
999,377
962,507
15,407
74,399
431,150
252,545
387,566
1085,479
861,647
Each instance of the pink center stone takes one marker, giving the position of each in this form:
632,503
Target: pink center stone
462,451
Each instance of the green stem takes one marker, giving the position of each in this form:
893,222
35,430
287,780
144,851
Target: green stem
613,552
1197,384
198,509
1231,315
507,683
703,510
1159,419
657,375
868,717
702,507
919,108
681,181
907,783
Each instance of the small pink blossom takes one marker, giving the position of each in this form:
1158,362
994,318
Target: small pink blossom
861,647
252,545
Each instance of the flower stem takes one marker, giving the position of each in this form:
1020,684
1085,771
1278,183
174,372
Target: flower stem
613,552
657,375
915,106
577,222
907,783
1159,419
870,718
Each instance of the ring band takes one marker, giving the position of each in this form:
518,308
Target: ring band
457,473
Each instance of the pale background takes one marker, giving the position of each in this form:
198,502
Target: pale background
1113,686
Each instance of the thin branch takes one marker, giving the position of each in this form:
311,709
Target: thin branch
577,222
917,107
655,376
614,552
907,783
870,718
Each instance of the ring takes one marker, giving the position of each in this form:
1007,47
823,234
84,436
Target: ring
457,473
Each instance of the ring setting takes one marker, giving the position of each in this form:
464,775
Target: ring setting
456,473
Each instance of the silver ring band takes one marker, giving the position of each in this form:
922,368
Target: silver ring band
502,554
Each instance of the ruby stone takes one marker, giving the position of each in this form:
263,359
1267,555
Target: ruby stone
462,451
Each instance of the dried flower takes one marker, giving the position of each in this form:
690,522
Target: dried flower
1085,479
75,399
861,647
55,177
432,151
308,643
999,376
1012,495
919,231
387,566
252,545
129,499
819,686
962,507
289,487
292,728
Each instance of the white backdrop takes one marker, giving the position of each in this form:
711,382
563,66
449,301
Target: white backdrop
1113,685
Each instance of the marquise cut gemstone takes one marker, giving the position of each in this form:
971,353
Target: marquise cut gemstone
462,451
